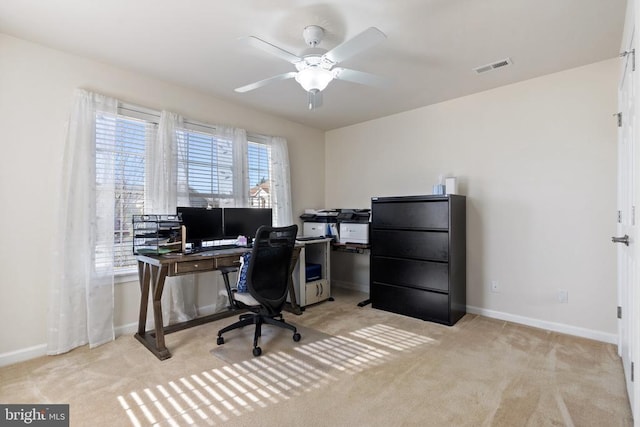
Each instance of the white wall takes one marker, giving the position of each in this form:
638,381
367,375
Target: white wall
36,92
537,162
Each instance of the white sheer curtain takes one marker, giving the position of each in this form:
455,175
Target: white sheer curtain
280,181
81,293
165,189
240,171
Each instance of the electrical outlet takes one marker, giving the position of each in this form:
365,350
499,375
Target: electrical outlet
495,287
563,296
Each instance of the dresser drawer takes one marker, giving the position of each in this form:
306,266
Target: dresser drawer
426,245
412,273
425,305
193,266
434,214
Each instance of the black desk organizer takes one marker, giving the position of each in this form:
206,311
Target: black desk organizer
157,234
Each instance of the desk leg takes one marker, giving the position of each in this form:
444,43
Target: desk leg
144,279
154,277
295,308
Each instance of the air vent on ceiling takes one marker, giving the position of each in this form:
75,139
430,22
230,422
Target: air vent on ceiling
493,66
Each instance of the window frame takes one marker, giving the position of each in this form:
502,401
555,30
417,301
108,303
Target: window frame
152,117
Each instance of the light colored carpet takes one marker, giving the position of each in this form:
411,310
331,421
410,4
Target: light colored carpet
354,367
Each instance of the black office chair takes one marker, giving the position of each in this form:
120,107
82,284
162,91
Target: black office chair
268,276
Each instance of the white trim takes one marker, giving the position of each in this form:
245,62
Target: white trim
22,355
131,328
126,276
543,324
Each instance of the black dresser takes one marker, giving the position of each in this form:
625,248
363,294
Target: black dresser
418,256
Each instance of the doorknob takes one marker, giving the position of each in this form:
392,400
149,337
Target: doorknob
624,239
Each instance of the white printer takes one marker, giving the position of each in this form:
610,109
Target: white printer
353,232
344,225
354,226
320,223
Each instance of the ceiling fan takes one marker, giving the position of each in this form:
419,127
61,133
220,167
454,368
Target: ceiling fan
317,66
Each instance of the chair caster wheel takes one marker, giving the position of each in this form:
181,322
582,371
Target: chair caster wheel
296,337
220,341
257,351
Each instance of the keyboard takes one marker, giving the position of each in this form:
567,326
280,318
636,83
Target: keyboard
305,238
209,250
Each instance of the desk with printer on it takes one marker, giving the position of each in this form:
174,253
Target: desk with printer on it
347,227
348,230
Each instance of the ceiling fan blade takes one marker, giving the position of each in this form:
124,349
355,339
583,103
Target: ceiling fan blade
366,39
273,49
265,82
315,99
360,77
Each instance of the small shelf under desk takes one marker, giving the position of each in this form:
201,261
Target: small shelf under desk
315,251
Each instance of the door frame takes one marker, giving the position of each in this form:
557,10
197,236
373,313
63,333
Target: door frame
628,292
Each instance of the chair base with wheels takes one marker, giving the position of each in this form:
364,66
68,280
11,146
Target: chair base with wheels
258,320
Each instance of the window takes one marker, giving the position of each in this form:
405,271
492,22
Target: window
120,162
208,168
207,165
258,157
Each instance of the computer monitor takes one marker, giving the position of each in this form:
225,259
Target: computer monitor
245,221
202,224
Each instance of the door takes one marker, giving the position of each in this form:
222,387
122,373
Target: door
626,226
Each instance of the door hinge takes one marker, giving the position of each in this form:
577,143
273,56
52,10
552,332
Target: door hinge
619,119
632,376
631,52
619,217
619,312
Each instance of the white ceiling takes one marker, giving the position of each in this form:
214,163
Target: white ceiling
430,51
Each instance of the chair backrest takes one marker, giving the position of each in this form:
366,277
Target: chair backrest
268,274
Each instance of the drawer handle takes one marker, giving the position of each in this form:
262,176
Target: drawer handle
195,265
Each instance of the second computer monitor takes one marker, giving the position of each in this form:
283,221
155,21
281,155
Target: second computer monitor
245,221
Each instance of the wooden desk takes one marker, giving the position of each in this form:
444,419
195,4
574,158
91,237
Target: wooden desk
154,269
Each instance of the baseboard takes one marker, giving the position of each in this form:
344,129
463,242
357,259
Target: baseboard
129,329
22,355
542,324
29,353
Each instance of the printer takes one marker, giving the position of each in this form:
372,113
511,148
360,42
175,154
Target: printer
322,223
354,226
344,225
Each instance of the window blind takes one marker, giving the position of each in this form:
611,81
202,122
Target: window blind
208,168
120,164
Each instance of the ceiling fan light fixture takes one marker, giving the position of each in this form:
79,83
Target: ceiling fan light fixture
314,78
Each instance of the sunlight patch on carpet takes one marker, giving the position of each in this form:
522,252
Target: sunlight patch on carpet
219,395
390,337
344,354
